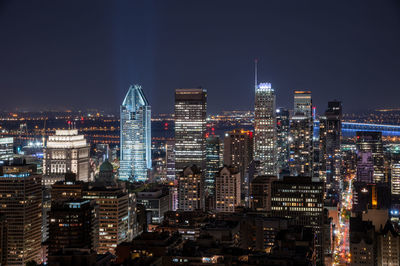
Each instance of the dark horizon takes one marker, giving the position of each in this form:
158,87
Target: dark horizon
86,54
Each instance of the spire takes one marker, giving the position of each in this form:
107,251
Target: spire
255,73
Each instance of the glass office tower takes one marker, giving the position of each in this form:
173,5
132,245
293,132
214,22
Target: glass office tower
135,112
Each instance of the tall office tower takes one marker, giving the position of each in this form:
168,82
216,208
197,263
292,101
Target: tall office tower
190,127
282,131
73,224
301,147
135,147
265,129
369,141
190,189
388,242
170,159
331,138
6,150
301,200
66,151
21,204
213,163
301,134
117,216
227,189
365,167
260,193
302,103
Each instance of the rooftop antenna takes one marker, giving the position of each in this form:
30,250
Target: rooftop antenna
255,73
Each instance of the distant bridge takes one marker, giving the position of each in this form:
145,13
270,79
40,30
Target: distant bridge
349,128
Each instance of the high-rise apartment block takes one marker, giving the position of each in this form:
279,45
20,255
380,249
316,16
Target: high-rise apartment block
190,189
265,129
135,145
66,151
21,205
190,128
227,189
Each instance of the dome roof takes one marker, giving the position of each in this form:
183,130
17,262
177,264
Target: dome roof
106,166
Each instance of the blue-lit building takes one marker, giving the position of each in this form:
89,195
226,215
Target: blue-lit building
135,149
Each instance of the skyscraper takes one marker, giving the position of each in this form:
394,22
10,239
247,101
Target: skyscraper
330,140
190,127
282,130
135,158
265,129
213,162
66,151
238,153
301,134
369,141
21,204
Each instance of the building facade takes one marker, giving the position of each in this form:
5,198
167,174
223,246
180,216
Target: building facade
370,141
21,205
265,129
6,150
135,140
66,151
190,189
117,216
300,199
190,128
227,189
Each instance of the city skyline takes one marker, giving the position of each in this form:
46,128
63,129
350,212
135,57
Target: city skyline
312,47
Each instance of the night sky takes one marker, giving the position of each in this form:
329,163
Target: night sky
84,54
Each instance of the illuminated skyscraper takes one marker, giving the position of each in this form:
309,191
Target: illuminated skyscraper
66,151
301,134
135,144
282,129
265,129
369,141
190,127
